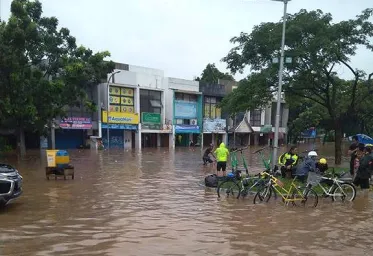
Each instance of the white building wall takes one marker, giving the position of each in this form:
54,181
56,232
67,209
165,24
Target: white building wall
169,104
183,84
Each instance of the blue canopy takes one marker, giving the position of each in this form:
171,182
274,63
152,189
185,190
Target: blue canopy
365,139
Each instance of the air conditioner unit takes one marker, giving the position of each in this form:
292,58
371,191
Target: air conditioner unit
193,121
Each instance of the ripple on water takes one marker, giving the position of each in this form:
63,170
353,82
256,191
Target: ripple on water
151,203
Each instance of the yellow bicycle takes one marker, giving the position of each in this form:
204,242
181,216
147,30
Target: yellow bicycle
293,194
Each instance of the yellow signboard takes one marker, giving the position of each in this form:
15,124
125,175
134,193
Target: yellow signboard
120,118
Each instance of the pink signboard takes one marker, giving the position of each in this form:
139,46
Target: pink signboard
76,123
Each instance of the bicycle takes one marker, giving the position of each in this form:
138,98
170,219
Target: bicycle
337,189
293,194
234,184
266,163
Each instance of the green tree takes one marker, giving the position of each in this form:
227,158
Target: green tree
253,92
318,47
42,70
211,74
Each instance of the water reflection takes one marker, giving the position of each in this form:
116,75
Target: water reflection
151,203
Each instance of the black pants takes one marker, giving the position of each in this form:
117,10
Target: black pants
284,170
363,183
352,165
221,166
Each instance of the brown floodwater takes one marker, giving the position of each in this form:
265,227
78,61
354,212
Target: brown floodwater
152,203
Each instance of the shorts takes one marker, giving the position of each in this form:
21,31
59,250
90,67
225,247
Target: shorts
363,183
221,166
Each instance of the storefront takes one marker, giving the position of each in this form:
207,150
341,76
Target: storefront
214,131
184,134
153,132
187,113
74,133
122,128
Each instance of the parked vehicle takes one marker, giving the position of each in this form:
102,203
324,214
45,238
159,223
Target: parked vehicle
10,184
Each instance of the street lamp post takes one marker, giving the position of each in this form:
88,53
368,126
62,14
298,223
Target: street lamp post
280,73
108,107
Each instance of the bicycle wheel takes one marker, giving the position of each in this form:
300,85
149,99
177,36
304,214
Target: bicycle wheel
229,188
263,195
346,192
252,186
308,199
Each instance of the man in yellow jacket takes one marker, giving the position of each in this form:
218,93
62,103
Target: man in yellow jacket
222,154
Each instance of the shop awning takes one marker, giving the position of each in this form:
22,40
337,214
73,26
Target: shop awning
266,129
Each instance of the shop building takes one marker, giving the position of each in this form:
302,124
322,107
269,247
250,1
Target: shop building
185,107
155,129
119,116
137,112
74,130
214,123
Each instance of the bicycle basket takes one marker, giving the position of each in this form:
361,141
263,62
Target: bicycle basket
314,178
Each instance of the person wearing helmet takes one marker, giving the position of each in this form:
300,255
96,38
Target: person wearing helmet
308,165
322,165
222,154
288,162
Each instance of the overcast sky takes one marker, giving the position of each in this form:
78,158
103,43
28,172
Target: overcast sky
180,36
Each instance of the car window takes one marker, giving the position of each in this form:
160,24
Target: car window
6,168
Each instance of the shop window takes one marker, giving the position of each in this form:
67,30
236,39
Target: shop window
185,97
150,101
255,117
211,109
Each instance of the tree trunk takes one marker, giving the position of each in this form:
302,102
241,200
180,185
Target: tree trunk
338,142
21,144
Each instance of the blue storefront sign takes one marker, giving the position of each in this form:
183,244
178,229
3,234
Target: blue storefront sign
187,129
185,109
120,126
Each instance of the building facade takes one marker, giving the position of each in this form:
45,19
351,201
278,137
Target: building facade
184,106
137,109
214,129
119,116
74,130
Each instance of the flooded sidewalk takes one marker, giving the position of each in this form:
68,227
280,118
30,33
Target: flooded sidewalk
152,203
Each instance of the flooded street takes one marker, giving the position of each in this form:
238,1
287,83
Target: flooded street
152,203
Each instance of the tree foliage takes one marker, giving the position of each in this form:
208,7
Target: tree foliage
42,69
211,74
249,95
318,47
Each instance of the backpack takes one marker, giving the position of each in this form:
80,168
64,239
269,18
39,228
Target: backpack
211,181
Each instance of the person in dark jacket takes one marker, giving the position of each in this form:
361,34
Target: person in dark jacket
364,172
308,165
206,156
352,152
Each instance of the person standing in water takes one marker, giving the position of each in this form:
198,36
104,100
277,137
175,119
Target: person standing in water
352,152
222,154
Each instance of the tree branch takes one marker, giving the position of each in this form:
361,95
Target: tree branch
307,97
356,74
